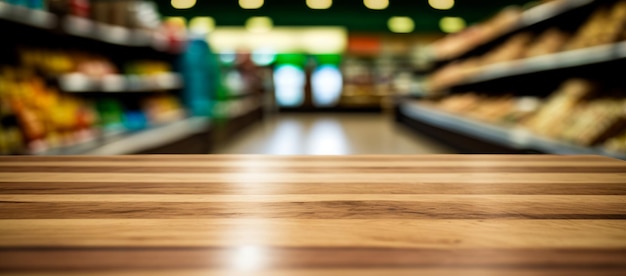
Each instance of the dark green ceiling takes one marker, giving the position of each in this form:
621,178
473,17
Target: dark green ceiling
349,13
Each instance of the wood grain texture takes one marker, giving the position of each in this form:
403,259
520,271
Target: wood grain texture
313,215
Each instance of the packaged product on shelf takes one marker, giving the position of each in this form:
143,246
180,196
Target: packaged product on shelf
126,13
456,44
11,140
453,73
459,103
45,117
60,7
94,66
617,143
514,48
494,109
588,34
175,36
79,8
147,67
502,109
100,11
120,12
54,63
550,41
163,109
135,120
111,114
50,62
32,4
605,25
549,119
595,121
73,120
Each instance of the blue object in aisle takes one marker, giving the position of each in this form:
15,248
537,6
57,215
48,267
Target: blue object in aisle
35,4
199,68
18,2
135,120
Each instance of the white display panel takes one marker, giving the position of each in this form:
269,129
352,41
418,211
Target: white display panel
326,85
289,81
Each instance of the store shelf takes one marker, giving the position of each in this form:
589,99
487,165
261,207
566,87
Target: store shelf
26,16
517,138
79,27
86,28
557,61
79,83
529,20
133,142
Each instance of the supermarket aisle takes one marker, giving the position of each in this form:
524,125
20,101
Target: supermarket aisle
332,134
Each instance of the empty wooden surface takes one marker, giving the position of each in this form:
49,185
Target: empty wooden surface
313,215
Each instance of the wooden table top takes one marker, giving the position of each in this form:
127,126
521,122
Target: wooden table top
313,215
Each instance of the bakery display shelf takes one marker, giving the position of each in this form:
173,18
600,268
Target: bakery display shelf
563,60
116,83
529,19
512,137
133,142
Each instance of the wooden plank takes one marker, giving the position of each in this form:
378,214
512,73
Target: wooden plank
342,272
101,186
313,206
304,158
394,233
289,177
325,170
485,200
279,163
138,258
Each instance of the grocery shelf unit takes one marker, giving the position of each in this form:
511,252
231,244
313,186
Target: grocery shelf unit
184,136
536,76
42,29
598,61
471,136
537,19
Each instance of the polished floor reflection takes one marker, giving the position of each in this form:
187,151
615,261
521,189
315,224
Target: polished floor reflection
330,134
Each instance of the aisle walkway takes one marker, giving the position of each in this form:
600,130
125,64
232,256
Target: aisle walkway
330,134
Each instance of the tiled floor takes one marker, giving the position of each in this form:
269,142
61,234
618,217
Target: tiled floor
330,134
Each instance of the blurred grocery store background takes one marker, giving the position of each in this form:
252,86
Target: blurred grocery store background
312,76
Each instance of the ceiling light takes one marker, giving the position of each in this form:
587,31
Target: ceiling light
451,24
259,24
319,4
401,24
376,4
441,4
250,4
201,24
183,4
